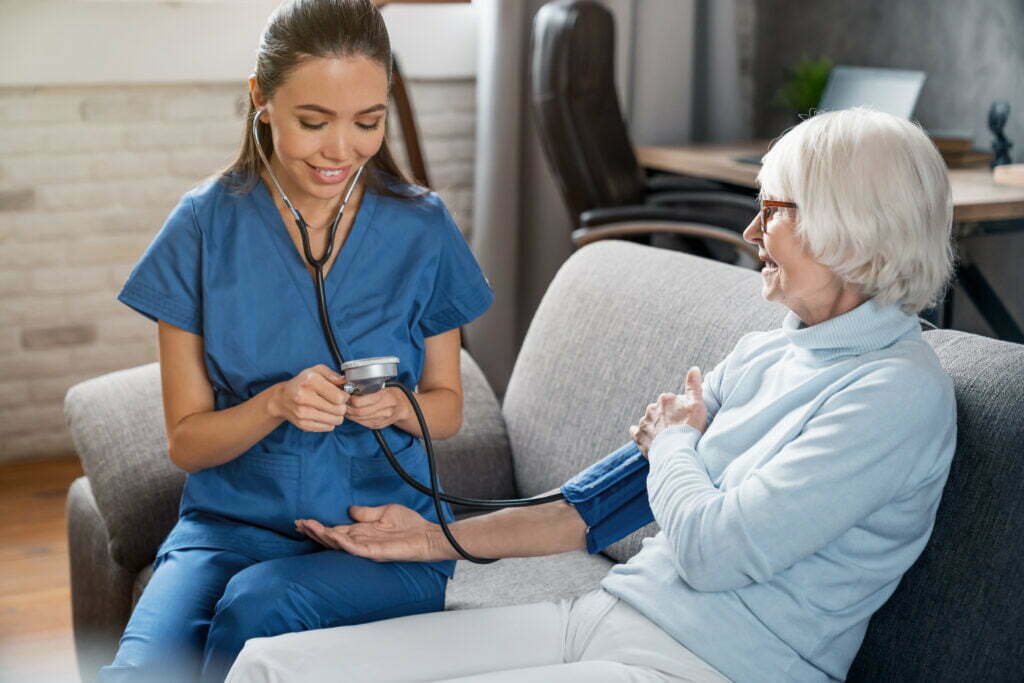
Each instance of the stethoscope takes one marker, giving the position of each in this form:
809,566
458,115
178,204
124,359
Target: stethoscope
369,375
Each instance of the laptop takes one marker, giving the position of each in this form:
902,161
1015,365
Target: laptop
893,91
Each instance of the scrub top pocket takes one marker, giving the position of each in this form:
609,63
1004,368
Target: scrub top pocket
258,487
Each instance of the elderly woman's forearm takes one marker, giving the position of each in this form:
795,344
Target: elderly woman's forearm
546,529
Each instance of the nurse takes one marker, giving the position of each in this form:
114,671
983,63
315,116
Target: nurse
253,415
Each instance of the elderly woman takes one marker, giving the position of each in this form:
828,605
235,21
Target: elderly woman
793,486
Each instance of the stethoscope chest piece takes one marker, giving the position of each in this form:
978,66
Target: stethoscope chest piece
368,375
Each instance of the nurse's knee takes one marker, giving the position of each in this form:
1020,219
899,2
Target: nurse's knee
260,603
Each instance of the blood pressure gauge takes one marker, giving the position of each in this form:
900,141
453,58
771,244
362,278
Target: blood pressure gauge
368,375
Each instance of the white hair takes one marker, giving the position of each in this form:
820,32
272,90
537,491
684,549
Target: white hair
873,202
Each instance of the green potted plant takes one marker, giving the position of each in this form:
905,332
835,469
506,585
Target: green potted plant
804,84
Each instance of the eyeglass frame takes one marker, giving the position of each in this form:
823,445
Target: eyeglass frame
766,206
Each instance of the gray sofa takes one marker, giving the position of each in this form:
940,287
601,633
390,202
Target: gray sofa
619,324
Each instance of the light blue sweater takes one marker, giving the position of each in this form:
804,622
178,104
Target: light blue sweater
791,520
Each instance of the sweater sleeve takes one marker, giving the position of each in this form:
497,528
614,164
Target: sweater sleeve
851,458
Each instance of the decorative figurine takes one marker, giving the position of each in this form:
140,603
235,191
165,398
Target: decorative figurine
998,115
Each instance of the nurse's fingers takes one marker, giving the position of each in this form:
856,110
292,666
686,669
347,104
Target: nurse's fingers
313,420
368,414
329,391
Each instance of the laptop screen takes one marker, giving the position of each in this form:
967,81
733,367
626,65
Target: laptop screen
892,91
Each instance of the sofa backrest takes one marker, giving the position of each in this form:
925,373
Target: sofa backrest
619,324
958,613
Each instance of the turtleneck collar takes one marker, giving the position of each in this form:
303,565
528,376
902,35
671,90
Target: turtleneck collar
868,327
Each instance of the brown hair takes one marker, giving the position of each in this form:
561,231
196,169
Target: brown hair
305,29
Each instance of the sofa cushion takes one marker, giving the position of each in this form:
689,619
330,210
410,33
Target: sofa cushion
620,324
524,580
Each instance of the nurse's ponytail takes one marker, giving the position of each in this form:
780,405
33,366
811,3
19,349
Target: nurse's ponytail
296,31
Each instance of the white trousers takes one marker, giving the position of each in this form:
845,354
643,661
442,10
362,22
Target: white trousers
594,638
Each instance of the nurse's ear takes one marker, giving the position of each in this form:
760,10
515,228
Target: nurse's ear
258,101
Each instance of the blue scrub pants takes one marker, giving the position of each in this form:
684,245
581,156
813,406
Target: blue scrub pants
202,605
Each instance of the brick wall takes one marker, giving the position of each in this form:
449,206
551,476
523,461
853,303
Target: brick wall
87,177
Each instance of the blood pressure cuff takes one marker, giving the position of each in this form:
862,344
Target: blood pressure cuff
611,496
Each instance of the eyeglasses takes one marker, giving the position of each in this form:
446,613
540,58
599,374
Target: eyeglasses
768,207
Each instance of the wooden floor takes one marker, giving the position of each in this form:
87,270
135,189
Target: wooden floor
35,594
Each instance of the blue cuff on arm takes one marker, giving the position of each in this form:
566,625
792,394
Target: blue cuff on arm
611,496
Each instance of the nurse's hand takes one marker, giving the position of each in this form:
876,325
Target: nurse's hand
313,400
380,409
388,533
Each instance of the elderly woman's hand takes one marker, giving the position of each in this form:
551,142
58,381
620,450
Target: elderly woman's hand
672,410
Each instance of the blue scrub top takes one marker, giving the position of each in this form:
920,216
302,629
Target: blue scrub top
224,267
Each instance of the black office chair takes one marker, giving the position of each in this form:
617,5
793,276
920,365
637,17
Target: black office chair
587,146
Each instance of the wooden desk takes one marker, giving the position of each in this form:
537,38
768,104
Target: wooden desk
975,197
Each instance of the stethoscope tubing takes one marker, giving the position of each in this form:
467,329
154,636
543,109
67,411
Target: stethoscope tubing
317,264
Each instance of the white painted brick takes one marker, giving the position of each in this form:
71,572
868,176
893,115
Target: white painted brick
66,280
209,104
130,327
200,163
437,150
152,193
117,274
38,255
119,106
51,390
222,133
122,164
452,175
36,108
14,393
142,221
31,309
29,227
101,303
47,168
22,140
77,195
32,418
10,339
163,135
13,282
463,149
49,444
448,125
85,138
60,138
109,357
35,364
432,96
117,249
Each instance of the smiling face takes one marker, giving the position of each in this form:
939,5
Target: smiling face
791,276
326,120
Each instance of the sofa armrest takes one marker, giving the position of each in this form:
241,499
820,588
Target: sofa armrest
477,462
117,426
101,589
